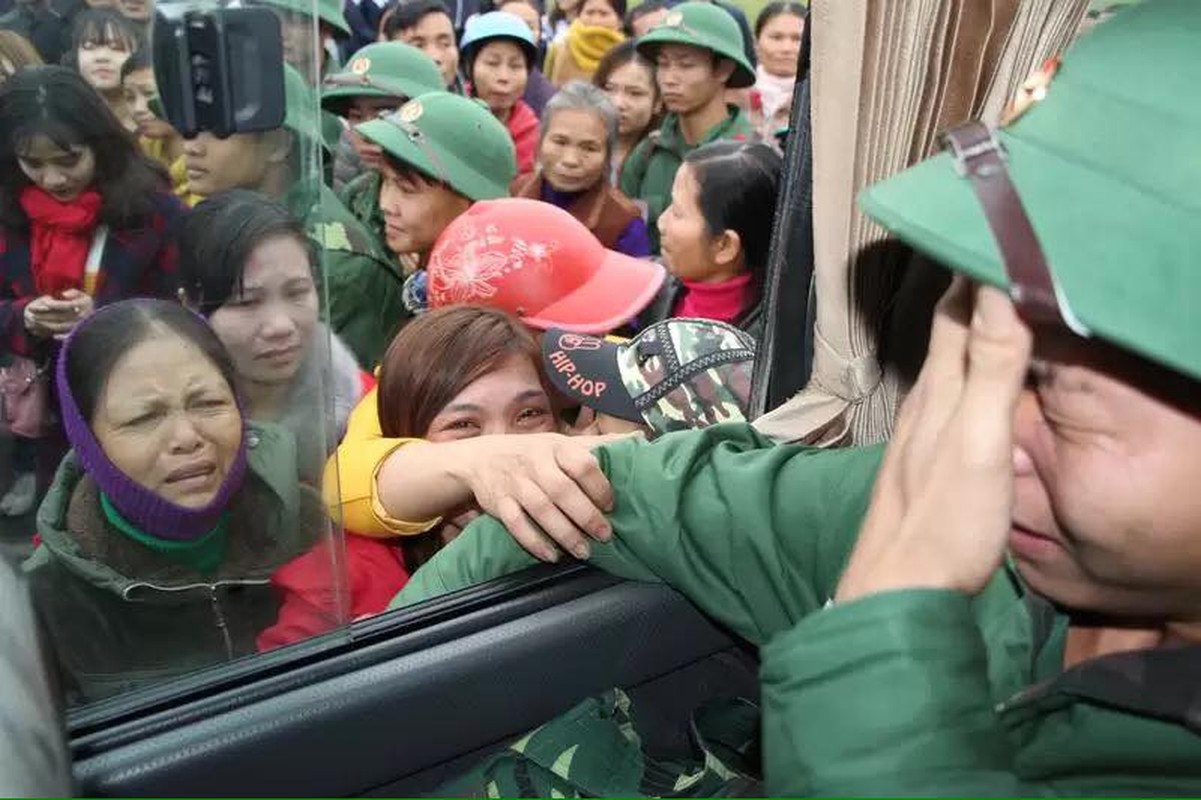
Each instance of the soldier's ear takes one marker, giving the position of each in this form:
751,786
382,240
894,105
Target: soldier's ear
724,69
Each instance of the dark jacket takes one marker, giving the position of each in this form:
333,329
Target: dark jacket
121,616
538,91
752,320
48,27
138,261
603,209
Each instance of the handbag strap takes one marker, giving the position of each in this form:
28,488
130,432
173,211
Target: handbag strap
96,251
982,160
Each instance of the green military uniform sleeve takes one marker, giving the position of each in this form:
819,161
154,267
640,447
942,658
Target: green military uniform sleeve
366,306
755,534
917,653
633,169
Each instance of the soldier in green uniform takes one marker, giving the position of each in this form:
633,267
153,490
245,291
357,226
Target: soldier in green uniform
377,81
296,26
441,153
1006,601
698,54
284,165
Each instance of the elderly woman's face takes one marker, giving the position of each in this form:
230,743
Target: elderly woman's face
574,150
1107,515
167,419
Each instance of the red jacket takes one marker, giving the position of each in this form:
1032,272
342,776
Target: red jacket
523,127
310,604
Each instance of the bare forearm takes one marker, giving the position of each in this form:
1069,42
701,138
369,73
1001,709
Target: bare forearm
423,480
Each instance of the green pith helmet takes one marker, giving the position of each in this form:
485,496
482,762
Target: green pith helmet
708,27
1107,166
451,139
301,116
384,69
328,11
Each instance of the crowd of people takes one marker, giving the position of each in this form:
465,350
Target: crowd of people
538,258
388,315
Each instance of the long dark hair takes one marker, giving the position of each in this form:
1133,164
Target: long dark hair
618,56
739,183
101,26
775,9
56,103
104,338
218,238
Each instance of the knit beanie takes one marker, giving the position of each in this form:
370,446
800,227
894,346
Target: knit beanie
141,507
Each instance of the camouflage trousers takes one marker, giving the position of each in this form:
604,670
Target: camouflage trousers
594,750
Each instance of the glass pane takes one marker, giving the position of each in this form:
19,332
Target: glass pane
164,486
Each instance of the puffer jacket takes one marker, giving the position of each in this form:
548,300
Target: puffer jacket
121,616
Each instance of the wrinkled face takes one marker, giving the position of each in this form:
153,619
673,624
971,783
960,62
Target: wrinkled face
140,90
63,174
689,77
434,35
268,328
416,210
632,91
509,399
499,76
136,10
643,24
574,150
167,419
100,63
689,249
779,45
600,14
1106,508
528,14
241,161
365,109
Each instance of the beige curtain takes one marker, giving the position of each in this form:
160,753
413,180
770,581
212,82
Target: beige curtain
887,77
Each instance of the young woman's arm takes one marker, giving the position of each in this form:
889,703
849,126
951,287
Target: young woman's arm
384,487
532,482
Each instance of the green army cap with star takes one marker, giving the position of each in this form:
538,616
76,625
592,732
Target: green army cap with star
383,69
451,139
708,27
1107,165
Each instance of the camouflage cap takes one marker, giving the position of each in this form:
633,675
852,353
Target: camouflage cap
678,374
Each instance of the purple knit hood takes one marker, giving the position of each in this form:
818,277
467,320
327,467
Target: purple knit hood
144,509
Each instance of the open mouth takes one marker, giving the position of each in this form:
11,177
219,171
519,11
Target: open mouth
197,473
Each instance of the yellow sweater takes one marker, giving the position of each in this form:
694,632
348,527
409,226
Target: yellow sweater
177,169
351,472
577,55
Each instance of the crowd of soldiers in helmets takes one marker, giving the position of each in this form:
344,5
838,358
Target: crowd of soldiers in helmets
480,222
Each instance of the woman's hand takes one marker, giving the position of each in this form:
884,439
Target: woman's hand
49,316
941,509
